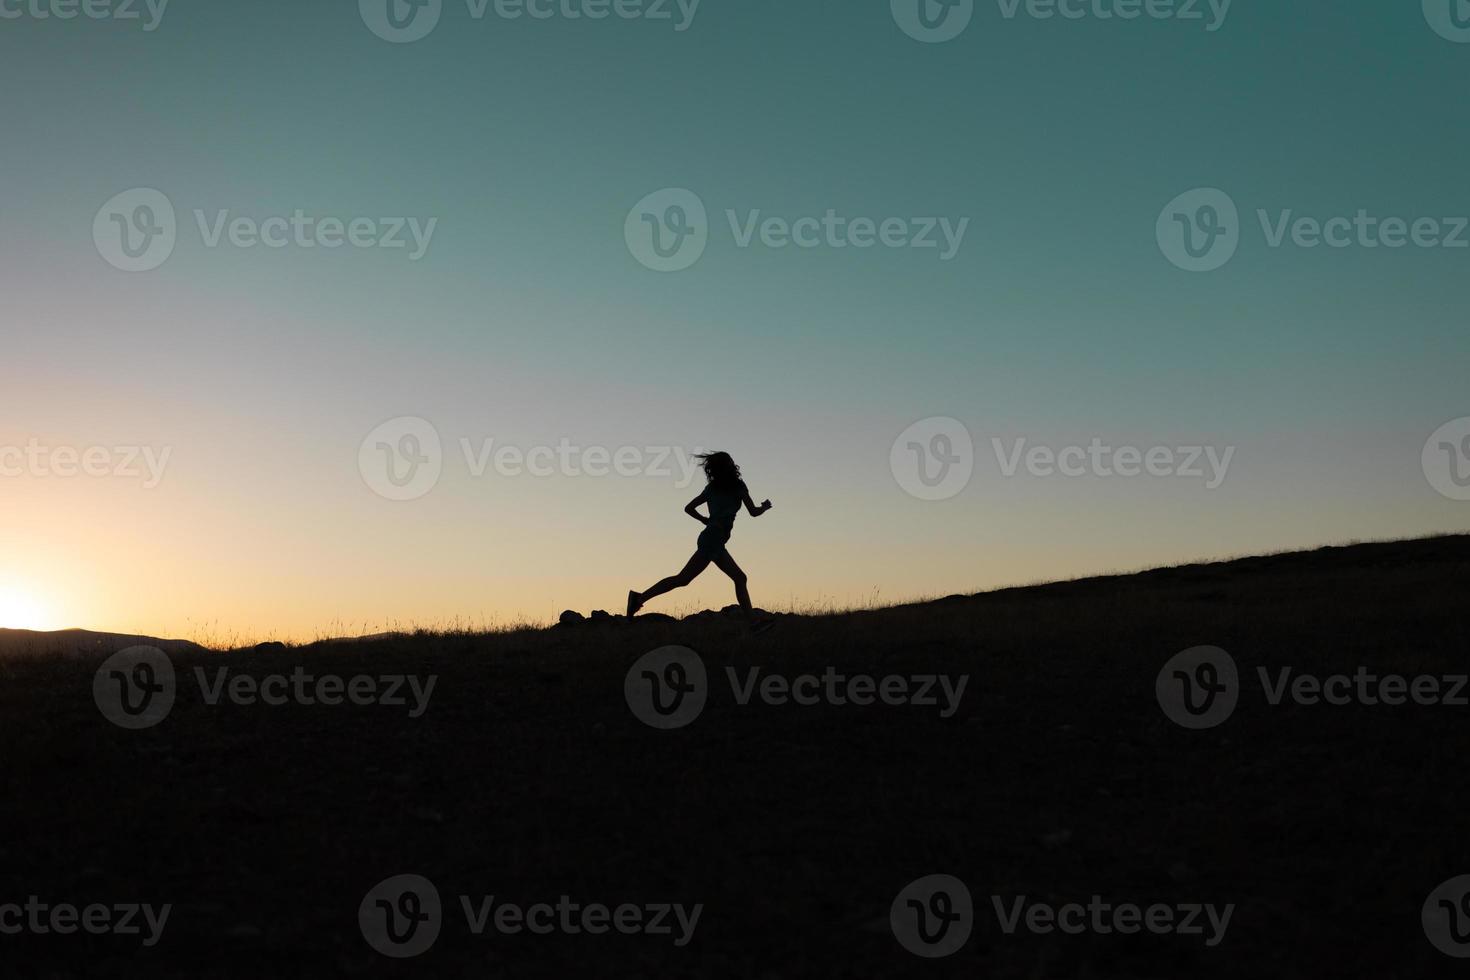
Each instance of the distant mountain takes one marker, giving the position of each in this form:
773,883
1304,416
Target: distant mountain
82,643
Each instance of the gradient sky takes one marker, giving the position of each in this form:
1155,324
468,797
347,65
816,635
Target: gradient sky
529,321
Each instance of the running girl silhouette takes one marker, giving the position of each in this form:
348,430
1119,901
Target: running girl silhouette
724,492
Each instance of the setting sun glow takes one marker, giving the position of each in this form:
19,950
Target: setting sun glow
23,611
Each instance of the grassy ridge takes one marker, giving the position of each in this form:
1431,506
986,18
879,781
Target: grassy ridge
528,777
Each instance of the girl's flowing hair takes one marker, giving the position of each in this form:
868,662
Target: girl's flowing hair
720,470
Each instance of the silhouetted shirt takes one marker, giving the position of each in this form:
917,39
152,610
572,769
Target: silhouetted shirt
724,504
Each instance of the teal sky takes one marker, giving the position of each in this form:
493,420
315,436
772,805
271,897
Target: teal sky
528,319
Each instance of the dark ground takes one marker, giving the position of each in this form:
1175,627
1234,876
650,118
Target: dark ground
529,778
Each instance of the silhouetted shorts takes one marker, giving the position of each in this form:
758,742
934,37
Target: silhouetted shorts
712,542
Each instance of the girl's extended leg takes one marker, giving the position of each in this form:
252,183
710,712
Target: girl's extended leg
690,572
727,565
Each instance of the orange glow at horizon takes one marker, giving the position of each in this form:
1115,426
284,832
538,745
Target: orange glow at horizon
22,609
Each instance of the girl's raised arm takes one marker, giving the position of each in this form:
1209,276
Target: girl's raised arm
753,509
